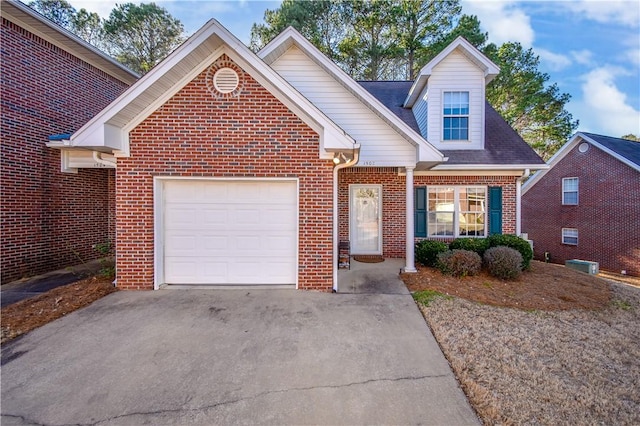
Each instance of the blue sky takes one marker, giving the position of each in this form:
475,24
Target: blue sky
591,49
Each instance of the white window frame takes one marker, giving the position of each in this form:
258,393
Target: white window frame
565,191
467,115
457,210
569,233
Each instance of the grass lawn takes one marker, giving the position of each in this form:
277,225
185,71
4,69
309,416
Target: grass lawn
554,347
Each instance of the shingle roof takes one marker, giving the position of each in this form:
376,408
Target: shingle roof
502,144
623,147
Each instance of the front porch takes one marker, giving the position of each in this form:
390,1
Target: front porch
372,278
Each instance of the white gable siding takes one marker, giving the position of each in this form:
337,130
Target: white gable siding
380,144
455,73
420,111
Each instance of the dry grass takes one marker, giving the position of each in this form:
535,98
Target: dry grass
26,315
569,366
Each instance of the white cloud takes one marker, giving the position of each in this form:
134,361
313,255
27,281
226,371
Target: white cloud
102,8
582,57
604,106
502,19
553,61
633,57
623,12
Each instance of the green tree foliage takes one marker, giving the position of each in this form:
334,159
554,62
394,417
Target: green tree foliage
522,95
140,36
369,39
631,137
321,22
468,26
58,11
88,26
418,25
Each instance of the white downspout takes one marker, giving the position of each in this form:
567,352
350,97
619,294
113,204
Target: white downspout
100,160
336,234
526,174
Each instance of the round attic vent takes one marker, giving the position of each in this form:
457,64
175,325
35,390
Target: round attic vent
584,147
226,80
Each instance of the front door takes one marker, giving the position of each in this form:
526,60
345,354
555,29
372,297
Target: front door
365,219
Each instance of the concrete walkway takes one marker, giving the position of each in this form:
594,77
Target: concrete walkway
233,357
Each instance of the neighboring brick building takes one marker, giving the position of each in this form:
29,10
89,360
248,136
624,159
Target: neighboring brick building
587,205
238,169
51,83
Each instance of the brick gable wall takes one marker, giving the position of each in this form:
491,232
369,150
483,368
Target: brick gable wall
196,134
606,216
394,202
49,219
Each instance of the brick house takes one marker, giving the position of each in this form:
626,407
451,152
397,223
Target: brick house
591,199
235,168
51,82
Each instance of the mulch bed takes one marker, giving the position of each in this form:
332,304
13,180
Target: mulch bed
545,287
26,315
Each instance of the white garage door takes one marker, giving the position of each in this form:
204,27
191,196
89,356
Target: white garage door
230,232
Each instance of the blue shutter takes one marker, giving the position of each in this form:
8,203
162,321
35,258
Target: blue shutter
495,210
420,207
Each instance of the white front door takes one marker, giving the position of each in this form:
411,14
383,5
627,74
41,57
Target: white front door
365,219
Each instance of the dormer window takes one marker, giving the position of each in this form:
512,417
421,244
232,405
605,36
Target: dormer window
455,116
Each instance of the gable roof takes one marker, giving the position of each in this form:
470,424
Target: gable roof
461,45
626,151
291,37
503,146
109,130
27,18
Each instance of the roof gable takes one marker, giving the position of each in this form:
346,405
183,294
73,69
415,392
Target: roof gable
489,69
290,37
27,18
626,151
108,131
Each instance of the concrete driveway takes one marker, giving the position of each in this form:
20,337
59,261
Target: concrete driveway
233,357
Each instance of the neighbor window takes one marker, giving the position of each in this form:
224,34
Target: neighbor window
456,116
570,236
456,211
570,191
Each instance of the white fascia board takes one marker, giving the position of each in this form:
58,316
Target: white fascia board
490,167
489,69
291,36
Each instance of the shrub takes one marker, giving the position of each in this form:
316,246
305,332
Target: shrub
479,245
503,262
515,242
459,263
427,251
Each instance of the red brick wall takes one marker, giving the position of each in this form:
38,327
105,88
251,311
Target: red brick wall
49,219
197,134
606,216
394,200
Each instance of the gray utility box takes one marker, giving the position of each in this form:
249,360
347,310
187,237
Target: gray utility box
585,266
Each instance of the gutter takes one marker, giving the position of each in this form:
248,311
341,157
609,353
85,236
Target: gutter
336,236
525,175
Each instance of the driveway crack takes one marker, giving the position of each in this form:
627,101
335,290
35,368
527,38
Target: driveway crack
248,398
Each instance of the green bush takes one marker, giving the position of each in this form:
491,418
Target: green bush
515,242
503,262
427,251
479,245
459,263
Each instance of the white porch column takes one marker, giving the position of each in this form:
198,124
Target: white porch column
410,264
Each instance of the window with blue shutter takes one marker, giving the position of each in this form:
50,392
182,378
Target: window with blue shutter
495,210
420,206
